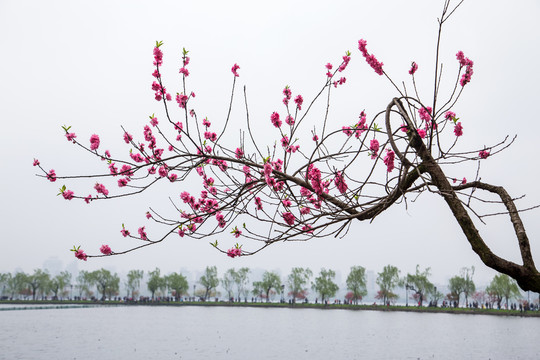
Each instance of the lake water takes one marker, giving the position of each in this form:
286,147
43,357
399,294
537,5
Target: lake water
193,332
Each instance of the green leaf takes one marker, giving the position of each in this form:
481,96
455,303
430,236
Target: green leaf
159,43
62,189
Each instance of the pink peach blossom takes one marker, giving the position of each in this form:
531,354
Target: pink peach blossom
94,142
289,218
79,254
67,194
51,175
483,154
105,250
234,70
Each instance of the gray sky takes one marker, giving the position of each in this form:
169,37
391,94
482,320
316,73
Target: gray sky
89,65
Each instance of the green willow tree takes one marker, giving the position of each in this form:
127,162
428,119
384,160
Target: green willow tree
84,283
227,282
4,278
356,282
133,283
298,281
209,280
462,284
270,280
155,282
324,284
456,285
241,281
178,285
59,282
387,280
15,284
503,288
420,284
107,284
39,280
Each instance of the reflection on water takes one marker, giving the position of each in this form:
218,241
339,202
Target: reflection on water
142,332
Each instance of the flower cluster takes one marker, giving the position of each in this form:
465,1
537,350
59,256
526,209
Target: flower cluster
158,55
299,100
51,175
142,233
239,153
374,148
234,252
182,100
414,67
483,154
389,160
275,119
329,67
458,129
360,126
185,61
289,120
468,64
67,194
153,121
94,142
71,136
314,176
236,232
289,218
100,188
160,92
105,250
258,203
346,59
79,254
370,59
425,114
234,70
449,115
288,93
341,81
339,180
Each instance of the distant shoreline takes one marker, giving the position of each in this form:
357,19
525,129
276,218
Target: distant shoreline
48,304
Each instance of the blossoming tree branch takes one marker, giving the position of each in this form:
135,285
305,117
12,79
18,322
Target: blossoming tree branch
296,186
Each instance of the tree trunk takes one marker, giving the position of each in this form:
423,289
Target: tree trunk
526,275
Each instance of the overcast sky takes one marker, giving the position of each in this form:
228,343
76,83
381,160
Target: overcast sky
89,64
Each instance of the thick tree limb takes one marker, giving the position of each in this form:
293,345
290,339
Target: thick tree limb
526,275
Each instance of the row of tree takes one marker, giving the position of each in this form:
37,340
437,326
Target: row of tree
236,284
